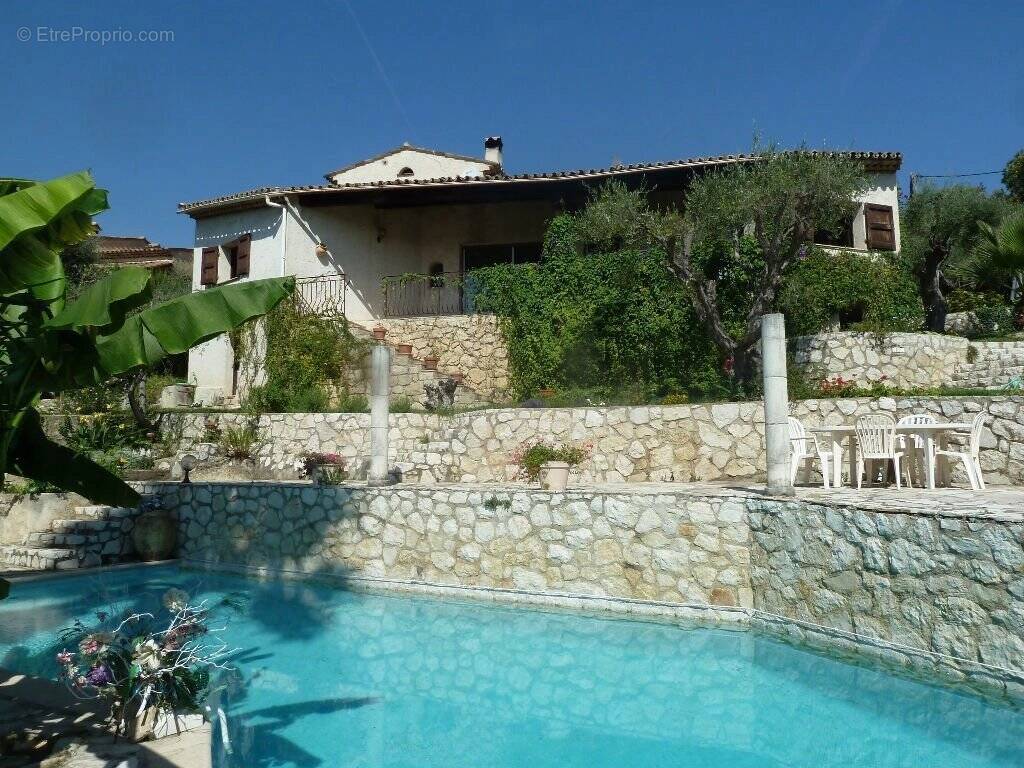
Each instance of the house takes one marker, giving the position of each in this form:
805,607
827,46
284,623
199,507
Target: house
122,251
389,239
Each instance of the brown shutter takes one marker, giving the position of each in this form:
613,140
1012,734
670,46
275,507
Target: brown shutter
881,234
242,256
208,273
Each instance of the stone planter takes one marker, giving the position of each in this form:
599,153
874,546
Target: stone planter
430,363
155,535
178,396
554,475
405,349
155,724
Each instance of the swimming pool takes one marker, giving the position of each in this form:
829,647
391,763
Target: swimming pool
334,678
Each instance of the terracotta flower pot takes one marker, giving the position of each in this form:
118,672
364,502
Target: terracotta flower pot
379,332
405,349
457,377
155,535
554,475
430,363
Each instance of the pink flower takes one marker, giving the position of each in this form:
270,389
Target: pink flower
65,657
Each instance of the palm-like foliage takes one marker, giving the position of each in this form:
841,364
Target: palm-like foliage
49,345
1003,246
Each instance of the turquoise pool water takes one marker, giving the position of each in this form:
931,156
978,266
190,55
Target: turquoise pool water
332,678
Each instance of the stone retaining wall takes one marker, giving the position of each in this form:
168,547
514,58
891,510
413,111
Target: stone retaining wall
471,344
941,584
901,359
930,591
633,444
909,360
672,546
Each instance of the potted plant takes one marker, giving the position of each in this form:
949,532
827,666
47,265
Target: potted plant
430,361
323,468
549,463
153,667
457,377
404,349
379,332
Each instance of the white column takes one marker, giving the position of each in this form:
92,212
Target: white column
776,404
380,385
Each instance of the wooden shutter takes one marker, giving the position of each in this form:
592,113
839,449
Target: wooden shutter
241,265
208,273
881,234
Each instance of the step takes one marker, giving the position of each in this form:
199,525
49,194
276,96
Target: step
39,558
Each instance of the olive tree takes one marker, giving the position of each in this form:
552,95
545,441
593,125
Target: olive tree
941,226
778,200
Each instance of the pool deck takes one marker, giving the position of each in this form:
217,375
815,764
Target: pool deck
55,728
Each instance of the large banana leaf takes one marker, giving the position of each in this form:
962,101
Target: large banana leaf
179,324
105,302
34,455
36,221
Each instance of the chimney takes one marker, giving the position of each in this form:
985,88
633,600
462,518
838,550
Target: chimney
492,150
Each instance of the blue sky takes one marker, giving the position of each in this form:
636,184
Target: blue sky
257,93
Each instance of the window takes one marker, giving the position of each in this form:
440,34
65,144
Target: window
841,237
208,268
405,173
238,255
879,227
477,256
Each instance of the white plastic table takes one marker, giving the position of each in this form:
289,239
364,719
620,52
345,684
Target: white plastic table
930,433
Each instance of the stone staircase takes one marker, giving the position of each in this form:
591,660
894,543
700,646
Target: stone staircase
97,535
409,375
994,364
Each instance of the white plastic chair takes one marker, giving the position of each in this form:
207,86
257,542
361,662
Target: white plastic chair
876,441
972,457
915,446
804,449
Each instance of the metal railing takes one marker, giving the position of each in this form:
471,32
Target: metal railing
445,293
323,295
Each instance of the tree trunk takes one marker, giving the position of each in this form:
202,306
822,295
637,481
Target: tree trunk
931,292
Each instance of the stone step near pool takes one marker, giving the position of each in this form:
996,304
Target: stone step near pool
98,535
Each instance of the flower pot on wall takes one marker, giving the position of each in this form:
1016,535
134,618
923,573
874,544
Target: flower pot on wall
155,535
379,332
430,363
457,377
554,475
405,349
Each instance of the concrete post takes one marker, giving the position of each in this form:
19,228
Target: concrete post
776,404
380,386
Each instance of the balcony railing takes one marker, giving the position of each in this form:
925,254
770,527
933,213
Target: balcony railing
323,295
446,293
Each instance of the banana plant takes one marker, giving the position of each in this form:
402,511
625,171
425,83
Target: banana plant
48,345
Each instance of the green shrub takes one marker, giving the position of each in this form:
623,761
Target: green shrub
101,432
601,310
307,358
864,292
401,405
353,404
239,442
961,300
992,320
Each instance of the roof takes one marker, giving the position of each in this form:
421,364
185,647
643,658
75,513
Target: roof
137,250
407,147
879,162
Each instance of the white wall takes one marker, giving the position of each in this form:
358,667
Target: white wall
210,364
884,190
425,165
